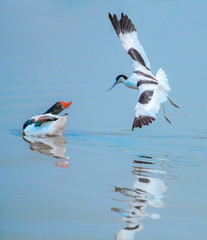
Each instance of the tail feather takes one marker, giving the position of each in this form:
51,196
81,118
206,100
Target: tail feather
163,86
163,80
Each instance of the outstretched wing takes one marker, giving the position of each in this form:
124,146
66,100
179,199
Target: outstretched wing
147,106
127,33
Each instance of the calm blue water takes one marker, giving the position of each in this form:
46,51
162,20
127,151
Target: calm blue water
100,180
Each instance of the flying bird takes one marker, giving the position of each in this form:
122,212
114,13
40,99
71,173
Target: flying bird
48,123
153,90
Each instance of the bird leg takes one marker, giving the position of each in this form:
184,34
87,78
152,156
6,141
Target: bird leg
165,114
173,103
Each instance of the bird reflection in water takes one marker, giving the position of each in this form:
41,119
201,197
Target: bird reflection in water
51,146
148,190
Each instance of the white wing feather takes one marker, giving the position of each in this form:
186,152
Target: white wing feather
152,107
127,33
149,110
151,94
130,40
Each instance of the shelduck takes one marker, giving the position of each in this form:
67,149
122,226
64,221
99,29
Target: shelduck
49,123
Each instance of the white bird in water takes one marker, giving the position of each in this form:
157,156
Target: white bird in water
48,123
153,89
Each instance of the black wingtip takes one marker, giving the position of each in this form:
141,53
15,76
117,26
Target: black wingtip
124,25
142,121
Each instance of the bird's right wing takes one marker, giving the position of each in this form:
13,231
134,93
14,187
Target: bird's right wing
147,106
127,33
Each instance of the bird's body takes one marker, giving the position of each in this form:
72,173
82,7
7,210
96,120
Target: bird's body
153,90
48,123
138,79
55,126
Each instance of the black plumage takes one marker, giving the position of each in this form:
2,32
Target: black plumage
124,25
136,56
140,82
55,109
145,97
142,120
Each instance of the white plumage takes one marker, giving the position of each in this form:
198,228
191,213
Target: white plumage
153,90
160,94
130,40
54,127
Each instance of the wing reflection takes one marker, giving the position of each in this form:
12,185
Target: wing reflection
148,190
51,146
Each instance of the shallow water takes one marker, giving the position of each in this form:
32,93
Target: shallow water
100,180
98,185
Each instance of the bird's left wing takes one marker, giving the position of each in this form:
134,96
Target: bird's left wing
147,106
44,118
127,33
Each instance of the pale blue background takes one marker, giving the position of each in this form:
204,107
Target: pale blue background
67,50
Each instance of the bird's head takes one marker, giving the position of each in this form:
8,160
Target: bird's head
58,107
119,79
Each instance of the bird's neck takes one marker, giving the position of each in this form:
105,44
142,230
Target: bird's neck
130,83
